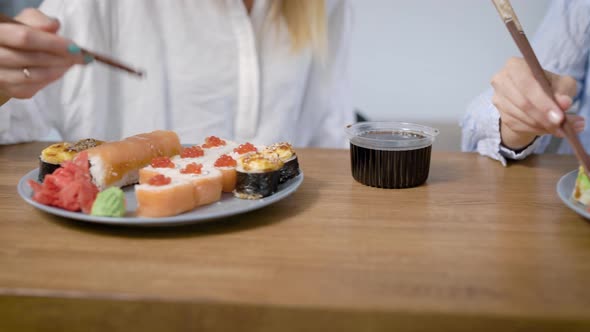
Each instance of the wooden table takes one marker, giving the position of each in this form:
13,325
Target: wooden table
479,248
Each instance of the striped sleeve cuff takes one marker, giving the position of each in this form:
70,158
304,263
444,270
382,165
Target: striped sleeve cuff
511,154
481,132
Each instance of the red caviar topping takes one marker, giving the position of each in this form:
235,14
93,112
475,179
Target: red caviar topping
159,180
192,152
162,162
192,168
213,141
244,148
225,161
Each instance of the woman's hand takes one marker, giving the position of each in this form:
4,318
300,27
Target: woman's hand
525,110
33,56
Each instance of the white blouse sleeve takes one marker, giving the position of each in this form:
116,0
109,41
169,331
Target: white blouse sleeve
32,119
327,105
481,132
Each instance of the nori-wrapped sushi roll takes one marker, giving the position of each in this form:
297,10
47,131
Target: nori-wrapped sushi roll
287,155
52,156
85,144
257,176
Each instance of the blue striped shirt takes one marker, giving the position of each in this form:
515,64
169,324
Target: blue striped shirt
562,45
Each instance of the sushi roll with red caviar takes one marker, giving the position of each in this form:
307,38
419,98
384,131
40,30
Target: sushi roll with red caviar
257,175
163,196
117,164
226,163
227,166
206,180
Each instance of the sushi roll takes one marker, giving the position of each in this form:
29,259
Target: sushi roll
285,152
52,156
85,144
206,180
214,147
117,164
55,154
227,166
257,176
163,196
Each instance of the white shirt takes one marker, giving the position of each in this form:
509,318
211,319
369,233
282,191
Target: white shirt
212,69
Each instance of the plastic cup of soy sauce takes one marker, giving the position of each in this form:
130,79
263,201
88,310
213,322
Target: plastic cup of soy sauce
390,155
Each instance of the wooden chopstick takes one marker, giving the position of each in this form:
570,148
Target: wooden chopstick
113,63
98,57
511,21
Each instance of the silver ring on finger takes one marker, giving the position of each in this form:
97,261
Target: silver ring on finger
27,73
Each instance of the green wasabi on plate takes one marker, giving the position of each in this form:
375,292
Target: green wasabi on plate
109,203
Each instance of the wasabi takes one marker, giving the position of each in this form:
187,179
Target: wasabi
109,203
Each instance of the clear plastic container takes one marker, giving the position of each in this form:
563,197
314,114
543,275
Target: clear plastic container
390,154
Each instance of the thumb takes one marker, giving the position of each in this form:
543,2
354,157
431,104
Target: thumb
36,19
564,85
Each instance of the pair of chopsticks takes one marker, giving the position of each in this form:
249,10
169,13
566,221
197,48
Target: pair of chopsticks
515,28
100,58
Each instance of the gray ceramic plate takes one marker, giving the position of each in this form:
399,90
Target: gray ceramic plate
565,187
227,206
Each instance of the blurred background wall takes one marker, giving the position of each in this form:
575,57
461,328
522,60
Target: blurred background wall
422,60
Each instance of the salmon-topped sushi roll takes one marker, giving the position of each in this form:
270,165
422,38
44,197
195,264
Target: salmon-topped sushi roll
214,147
157,166
206,180
118,163
226,163
191,152
163,196
227,166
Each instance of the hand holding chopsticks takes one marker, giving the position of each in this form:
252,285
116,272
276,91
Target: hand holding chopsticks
526,111
32,55
540,78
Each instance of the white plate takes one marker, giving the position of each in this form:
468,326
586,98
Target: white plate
565,187
227,206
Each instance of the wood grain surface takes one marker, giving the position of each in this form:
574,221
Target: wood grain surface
480,247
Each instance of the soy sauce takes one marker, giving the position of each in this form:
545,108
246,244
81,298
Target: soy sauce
390,169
